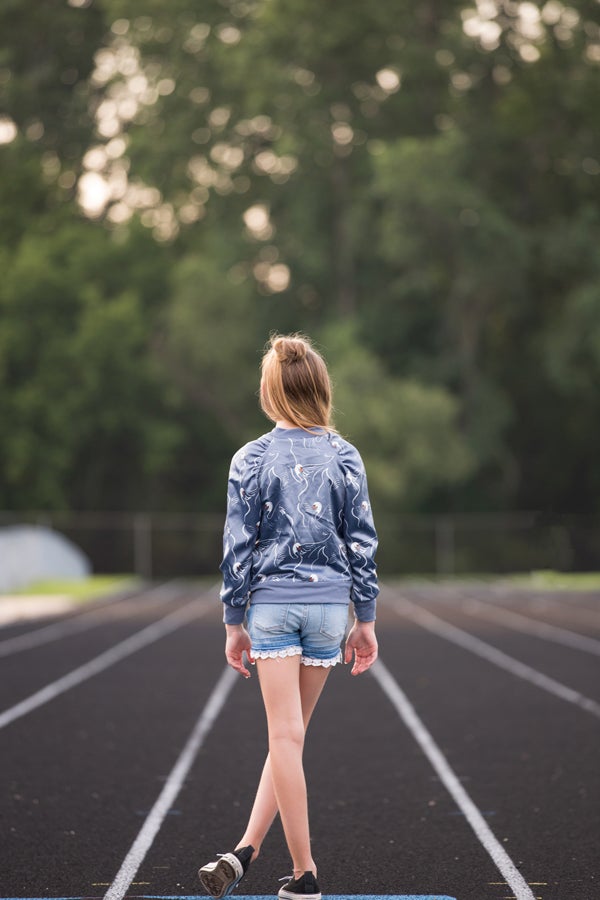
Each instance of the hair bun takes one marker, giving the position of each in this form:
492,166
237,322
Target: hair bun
289,349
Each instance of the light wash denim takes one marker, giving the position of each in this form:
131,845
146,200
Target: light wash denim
315,630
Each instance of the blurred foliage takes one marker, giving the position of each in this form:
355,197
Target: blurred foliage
416,185
82,589
557,581
86,414
400,425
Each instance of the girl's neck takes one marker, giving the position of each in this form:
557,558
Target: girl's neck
283,423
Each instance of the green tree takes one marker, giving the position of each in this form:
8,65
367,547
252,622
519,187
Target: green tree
418,185
88,419
400,424
456,270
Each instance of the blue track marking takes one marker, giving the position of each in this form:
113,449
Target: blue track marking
325,896
258,897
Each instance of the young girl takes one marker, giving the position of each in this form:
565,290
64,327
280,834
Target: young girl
299,544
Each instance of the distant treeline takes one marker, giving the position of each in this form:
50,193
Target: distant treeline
414,184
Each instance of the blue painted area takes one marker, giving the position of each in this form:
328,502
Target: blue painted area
325,897
258,897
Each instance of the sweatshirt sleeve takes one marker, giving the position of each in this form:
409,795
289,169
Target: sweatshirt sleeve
240,533
360,536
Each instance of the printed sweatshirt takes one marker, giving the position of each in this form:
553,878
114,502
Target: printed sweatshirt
299,527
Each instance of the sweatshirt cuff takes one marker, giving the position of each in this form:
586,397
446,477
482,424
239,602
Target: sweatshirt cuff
233,615
365,610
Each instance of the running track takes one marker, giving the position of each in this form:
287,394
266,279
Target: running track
465,766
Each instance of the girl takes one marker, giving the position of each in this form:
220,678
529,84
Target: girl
299,544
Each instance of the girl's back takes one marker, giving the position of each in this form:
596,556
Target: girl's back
302,497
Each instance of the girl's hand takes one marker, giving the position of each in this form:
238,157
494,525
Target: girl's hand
238,641
362,642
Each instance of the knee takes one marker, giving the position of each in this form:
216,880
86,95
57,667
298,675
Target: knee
289,734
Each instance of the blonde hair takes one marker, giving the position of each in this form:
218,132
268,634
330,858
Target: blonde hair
295,383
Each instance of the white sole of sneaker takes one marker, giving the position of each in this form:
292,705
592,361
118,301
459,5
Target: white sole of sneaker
221,877
288,895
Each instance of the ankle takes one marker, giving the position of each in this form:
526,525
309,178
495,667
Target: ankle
298,873
255,850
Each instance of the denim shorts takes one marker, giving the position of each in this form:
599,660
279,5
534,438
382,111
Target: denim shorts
314,630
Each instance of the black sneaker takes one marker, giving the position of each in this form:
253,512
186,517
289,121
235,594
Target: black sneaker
220,878
305,887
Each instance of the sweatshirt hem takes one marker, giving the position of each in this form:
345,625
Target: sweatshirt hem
285,591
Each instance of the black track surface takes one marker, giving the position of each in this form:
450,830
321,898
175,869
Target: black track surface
81,772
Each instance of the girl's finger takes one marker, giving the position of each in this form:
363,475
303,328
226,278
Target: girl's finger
363,663
236,663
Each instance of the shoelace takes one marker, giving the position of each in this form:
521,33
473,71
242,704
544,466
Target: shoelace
291,877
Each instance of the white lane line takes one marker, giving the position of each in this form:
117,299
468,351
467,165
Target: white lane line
519,622
173,785
486,651
582,616
450,781
115,654
84,620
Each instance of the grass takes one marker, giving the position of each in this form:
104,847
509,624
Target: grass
545,579
80,588
83,589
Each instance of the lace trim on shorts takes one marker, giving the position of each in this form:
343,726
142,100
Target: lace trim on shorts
310,661
294,651
276,654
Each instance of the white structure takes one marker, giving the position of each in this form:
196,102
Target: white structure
33,552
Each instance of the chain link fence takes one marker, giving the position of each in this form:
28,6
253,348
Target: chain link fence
493,543
157,545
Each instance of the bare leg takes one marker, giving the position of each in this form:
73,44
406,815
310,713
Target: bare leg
264,810
280,682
